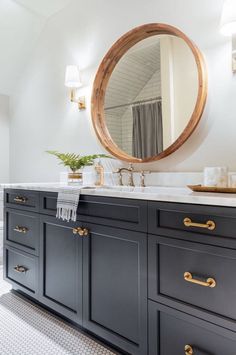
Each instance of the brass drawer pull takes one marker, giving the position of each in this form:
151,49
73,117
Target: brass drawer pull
20,269
188,350
208,225
210,282
83,232
20,199
19,229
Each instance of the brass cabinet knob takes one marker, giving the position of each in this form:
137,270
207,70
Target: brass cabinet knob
19,229
83,232
20,199
20,269
188,350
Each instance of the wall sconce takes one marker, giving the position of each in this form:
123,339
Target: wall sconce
228,26
72,81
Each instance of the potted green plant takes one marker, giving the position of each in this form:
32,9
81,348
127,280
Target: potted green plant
76,162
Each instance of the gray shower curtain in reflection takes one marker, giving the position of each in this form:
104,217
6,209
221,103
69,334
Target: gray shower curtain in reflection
147,130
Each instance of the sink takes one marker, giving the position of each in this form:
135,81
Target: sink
145,190
124,188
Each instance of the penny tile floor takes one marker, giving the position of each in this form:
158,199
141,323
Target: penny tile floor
26,329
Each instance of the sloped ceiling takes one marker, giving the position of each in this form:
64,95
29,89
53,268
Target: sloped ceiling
44,7
21,22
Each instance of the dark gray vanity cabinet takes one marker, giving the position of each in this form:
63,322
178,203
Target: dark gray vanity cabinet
61,268
22,230
21,241
115,286
125,280
194,315
99,280
172,332
21,270
110,298
22,199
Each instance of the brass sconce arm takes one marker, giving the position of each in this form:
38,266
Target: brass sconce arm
80,100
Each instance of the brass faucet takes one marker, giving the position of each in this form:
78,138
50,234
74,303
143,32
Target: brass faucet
130,170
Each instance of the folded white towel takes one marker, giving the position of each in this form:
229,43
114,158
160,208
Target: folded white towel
67,204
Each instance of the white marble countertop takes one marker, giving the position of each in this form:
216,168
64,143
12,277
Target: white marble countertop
152,193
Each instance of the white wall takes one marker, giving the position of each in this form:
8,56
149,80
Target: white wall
41,111
19,30
179,86
185,80
4,140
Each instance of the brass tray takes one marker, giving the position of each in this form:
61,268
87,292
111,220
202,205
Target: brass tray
200,188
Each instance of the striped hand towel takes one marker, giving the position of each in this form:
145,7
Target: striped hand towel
67,204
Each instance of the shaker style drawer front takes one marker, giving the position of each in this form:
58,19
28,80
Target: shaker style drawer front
109,211
48,203
200,223
22,230
21,269
194,275
175,333
23,199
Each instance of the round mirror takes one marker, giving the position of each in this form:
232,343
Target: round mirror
149,93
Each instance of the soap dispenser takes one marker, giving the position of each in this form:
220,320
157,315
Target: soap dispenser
99,169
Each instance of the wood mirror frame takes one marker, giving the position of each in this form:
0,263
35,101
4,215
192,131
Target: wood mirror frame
104,73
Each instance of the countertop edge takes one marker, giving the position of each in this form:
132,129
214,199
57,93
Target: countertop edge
165,194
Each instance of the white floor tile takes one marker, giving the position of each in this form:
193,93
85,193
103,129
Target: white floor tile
26,329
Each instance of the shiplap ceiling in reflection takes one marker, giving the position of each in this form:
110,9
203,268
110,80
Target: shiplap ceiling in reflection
132,73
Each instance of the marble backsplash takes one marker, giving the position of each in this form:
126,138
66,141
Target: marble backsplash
170,179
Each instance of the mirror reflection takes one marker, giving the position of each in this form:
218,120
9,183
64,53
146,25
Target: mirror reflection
151,95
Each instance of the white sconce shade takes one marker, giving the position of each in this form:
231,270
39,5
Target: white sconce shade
228,18
72,77
72,81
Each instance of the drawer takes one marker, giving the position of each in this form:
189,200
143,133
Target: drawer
175,333
21,269
168,219
22,230
109,211
180,272
23,199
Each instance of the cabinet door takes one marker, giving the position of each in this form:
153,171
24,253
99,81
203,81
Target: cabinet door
61,268
177,333
115,287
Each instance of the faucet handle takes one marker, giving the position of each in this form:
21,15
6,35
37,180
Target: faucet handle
119,171
145,172
142,177
130,170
